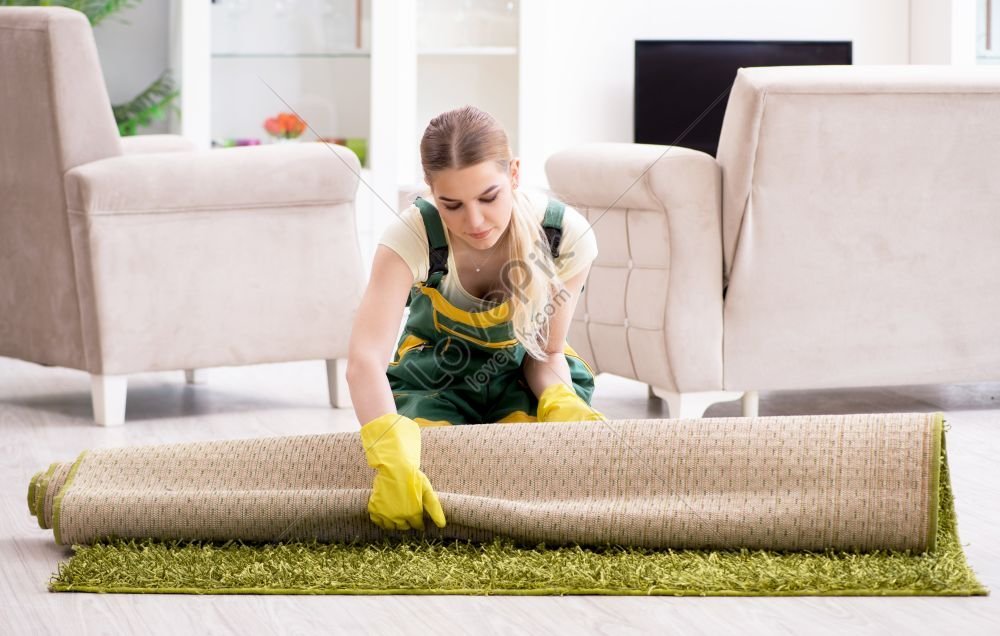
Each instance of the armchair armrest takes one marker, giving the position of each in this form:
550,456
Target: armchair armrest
222,179
652,309
626,175
140,144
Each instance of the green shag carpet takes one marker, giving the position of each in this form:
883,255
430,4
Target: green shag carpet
420,566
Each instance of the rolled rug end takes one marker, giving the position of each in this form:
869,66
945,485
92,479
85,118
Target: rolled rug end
32,486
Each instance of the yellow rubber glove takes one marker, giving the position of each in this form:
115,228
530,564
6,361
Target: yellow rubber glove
560,403
400,492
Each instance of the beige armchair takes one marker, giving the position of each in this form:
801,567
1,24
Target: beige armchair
846,235
652,307
120,256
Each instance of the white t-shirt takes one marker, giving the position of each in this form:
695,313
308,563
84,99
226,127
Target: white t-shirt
407,237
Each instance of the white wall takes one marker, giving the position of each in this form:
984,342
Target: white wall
578,86
576,56
943,32
133,55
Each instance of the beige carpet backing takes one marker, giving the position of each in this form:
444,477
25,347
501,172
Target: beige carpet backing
848,482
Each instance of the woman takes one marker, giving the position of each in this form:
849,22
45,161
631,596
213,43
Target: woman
493,276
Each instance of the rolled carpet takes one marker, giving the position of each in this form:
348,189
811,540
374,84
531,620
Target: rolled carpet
846,482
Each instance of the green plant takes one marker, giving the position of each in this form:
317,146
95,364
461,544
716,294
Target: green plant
151,104
148,106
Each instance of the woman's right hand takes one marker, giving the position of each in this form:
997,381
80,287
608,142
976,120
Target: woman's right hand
401,491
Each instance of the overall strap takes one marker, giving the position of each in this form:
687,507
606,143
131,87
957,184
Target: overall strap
437,242
552,224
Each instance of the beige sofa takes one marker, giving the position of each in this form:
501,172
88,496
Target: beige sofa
846,235
120,256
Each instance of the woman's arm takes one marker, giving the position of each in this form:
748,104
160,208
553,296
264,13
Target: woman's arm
401,492
541,375
374,334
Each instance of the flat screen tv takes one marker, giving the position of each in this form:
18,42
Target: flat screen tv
677,80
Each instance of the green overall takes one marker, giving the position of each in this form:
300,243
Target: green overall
453,366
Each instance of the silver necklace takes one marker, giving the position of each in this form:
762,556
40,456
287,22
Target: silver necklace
492,249
503,238
490,254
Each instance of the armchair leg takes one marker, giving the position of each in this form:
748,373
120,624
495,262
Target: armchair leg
336,380
751,404
694,405
194,376
108,397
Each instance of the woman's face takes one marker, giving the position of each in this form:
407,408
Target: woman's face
476,202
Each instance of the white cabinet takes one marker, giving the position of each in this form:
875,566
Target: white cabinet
465,52
376,70
449,53
309,57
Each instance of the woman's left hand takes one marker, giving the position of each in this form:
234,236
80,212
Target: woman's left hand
560,403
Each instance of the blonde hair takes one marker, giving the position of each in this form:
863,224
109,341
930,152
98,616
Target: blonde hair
464,137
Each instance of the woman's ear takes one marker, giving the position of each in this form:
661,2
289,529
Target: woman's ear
515,169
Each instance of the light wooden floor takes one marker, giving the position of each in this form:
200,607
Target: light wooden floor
45,416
